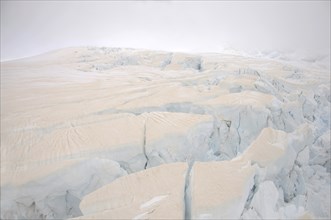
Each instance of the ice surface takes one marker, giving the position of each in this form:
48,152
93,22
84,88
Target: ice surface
111,132
152,193
54,191
219,189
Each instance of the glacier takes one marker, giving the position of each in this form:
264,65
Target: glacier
114,133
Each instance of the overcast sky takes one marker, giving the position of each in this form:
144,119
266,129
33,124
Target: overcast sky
33,27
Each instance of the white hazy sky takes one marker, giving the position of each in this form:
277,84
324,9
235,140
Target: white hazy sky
33,27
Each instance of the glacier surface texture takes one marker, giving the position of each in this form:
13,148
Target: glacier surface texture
110,133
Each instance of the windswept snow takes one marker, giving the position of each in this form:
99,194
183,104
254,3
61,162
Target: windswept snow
153,201
219,189
111,133
153,194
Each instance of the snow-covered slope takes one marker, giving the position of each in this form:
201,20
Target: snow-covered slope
121,133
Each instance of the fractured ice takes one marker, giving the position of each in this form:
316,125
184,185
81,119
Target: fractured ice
110,133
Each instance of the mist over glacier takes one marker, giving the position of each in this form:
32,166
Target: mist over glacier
300,28
224,115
